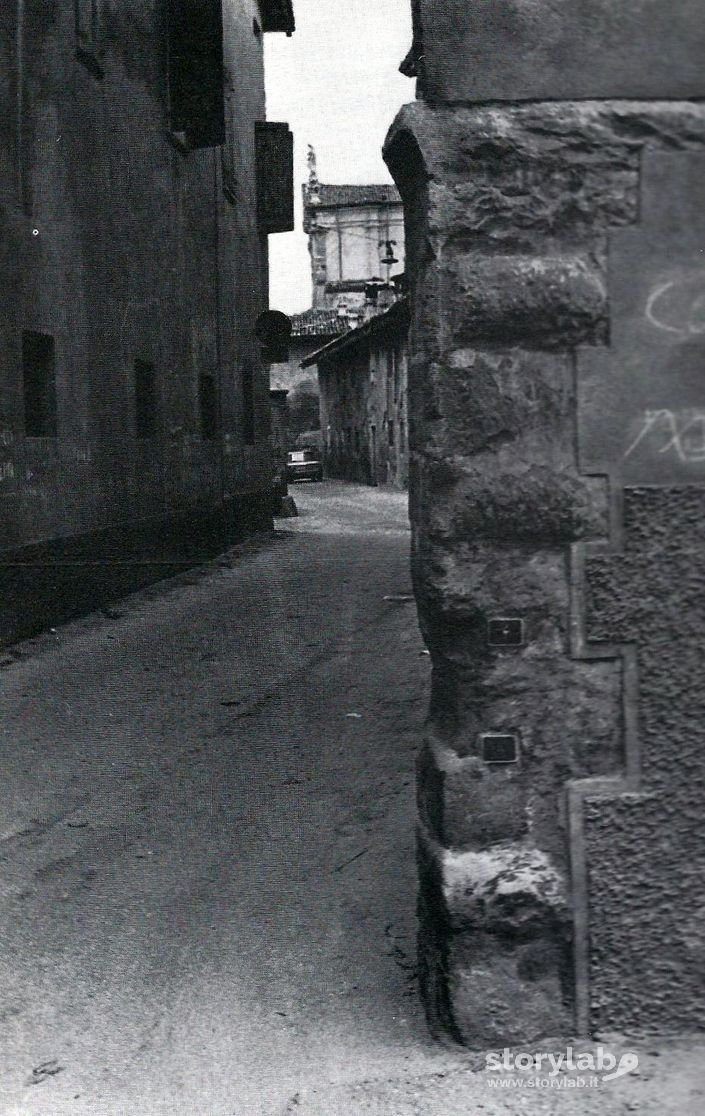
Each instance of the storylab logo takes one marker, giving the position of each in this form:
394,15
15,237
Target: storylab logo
569,1069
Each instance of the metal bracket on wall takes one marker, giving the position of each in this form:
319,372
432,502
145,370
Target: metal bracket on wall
499,747
505,631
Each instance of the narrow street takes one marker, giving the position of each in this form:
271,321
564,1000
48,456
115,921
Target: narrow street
208,849
208,829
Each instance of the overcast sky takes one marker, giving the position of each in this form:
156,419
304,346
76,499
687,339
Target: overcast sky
336,82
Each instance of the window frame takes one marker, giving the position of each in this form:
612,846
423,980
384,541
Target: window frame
39,414
146,423
208,407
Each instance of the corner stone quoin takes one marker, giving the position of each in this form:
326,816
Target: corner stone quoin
526,223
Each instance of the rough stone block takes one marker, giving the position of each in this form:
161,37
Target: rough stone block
484,400
536,300
555,167
468,803
521,504
493,922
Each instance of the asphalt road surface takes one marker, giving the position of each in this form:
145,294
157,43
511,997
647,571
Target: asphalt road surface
207,852
207,830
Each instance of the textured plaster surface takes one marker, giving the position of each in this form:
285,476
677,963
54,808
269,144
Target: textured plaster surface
646,852
513,50
495,934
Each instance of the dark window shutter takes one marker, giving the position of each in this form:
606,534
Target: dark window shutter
274,145
277,15
39,385
196,96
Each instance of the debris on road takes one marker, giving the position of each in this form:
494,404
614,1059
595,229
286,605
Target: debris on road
46,1069
345,863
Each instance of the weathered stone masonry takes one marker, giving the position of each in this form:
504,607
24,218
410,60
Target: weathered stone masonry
541,909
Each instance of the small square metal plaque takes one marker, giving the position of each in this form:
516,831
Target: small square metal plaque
505,631
499,747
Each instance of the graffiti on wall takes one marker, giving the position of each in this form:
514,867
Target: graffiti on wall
680,433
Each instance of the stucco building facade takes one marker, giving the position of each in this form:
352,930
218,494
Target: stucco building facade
362,379
552,174
351,231
139,181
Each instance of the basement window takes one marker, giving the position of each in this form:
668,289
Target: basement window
39,385
195,73
89,34
208,406
145,399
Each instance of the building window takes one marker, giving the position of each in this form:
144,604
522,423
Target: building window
39,385
357,441
390,431
89,34
145,400
208,405
248,407
195,72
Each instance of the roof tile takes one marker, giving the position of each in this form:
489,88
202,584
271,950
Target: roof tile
334,195
318,322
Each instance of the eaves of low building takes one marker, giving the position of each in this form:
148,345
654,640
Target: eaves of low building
393,320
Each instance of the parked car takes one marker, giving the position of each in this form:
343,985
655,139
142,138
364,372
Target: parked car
304,464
